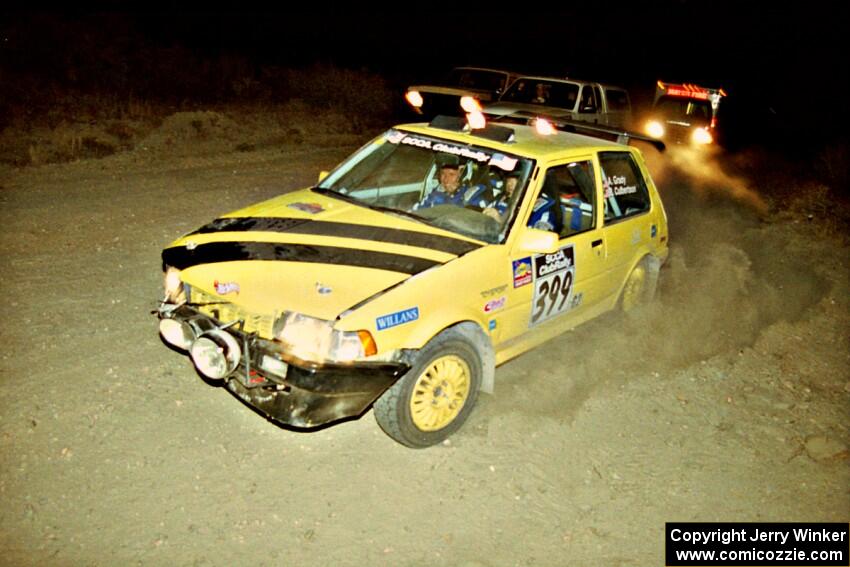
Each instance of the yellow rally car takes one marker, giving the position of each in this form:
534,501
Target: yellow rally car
430,256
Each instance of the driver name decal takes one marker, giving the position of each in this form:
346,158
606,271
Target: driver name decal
554,275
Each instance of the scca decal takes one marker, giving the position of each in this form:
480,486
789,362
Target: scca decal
522,272
398,318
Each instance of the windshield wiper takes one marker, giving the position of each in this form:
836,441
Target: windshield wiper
338,195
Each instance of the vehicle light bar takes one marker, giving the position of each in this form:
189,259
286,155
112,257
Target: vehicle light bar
689,90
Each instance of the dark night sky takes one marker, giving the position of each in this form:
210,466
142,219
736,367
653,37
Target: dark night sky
770,58
761,52
741,43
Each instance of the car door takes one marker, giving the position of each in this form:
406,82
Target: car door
556,288
627,226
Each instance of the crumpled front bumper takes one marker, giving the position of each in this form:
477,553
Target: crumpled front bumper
308,395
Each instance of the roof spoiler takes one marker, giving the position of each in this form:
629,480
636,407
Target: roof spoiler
619,135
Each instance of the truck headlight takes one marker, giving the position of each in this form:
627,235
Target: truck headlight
174,291
655,129
701,136
315,340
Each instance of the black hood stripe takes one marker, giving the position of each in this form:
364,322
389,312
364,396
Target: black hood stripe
446,244
181,257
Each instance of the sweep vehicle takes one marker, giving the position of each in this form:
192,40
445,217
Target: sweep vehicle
684,114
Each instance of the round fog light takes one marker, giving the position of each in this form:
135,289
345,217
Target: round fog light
216,354
176,333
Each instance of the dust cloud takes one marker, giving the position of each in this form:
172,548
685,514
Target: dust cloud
729,276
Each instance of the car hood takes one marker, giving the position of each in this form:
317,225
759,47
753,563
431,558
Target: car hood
526,110
307,252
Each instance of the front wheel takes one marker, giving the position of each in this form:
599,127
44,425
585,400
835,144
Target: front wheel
435,397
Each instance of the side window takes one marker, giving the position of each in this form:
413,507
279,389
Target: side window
567,200
617,99
588,100
624,189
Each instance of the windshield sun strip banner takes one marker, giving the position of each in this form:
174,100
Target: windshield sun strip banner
436,242
182,257
490,157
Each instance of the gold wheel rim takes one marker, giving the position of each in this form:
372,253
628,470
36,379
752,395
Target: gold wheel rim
634,288
440,393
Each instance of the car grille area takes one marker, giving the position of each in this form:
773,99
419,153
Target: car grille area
226,312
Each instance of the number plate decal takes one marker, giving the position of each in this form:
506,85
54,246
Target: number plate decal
554,279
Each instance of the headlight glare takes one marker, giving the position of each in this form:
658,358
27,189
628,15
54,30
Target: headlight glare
655,129
470,104
414,99
701,136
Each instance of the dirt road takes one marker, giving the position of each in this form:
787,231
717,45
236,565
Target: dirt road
727,400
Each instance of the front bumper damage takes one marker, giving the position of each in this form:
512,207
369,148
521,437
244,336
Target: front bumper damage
289,391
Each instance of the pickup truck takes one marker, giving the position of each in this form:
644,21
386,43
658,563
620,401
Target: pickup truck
444,97
568,99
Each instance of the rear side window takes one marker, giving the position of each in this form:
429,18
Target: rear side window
624,189
571,186
617,100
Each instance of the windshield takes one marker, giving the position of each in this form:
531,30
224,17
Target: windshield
465,189
540,91
689,109
478,79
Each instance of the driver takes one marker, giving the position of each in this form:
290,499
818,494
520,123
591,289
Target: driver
450,191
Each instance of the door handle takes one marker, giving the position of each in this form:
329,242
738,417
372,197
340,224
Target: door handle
596,243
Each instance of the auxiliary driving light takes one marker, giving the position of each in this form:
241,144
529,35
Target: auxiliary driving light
470,104
414,99
177,333
216,354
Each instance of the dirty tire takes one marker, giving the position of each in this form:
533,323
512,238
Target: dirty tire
639,288
434,398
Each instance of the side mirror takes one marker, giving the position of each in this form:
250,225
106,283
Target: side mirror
535,241
322,175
